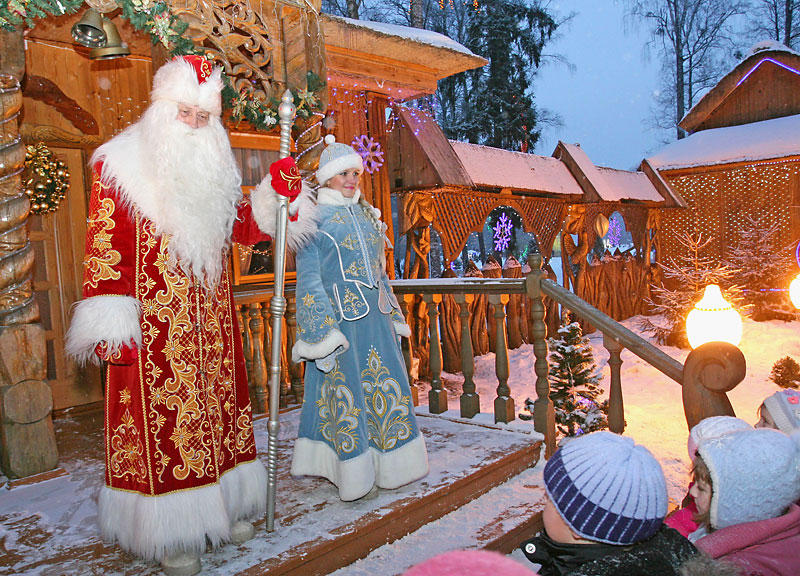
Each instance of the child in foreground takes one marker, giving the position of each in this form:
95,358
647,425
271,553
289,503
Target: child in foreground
745,487
780,411
682,519
606,502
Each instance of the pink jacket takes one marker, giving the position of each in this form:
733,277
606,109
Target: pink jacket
766,548
681,520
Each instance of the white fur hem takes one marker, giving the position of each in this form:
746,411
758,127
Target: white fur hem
355,477
264,201
152,527
303,351
110,319
402,329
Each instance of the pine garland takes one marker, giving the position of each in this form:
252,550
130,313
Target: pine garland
14,13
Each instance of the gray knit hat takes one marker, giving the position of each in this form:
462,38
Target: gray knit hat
607,488
784,407
712,427
755,475
337,158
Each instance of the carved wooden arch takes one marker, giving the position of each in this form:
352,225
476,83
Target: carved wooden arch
636,220
457,214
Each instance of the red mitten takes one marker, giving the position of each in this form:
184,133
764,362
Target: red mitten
286,178
125,356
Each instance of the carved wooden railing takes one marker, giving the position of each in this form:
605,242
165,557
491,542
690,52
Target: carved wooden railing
708,373
252,308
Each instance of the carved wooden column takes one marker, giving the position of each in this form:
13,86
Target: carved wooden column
616,408
258,385
295,370
470,400
408,352
437,396
504,410
544,417
247,340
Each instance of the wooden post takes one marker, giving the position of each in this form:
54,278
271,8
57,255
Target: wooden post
437,396
259,381
544,418
247,344
710,371
504,409
470,401
408,352
295,370
616,407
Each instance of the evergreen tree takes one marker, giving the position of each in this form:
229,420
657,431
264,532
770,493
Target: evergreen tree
686,279
574,381
763,268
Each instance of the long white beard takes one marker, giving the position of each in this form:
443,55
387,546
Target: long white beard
199,188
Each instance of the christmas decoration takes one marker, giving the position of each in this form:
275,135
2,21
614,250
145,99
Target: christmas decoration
762,266
786,373
370,151
16,12
503,230
46,179
690,274
713,319
574,381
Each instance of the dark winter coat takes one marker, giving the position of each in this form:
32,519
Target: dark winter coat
660,555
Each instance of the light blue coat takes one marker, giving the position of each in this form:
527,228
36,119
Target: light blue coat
357,426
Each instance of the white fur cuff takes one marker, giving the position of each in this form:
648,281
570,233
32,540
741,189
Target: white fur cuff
264,201
302,351
402,329
110,319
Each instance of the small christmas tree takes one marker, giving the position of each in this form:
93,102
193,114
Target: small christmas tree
574,381
786,373
763,268
689,275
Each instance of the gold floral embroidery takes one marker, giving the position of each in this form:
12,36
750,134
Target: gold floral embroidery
337,218
102,259
308,300
349,242
338,413
351,303
126,458
388,409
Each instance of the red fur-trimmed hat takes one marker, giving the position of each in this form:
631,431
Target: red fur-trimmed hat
192,80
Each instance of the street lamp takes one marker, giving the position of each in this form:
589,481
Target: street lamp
713,319
794,291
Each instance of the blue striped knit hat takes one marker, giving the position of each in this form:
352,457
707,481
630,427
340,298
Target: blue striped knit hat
607,488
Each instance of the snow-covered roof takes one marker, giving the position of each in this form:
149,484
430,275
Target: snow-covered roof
776,138
772,45
407,33
626,185
498,168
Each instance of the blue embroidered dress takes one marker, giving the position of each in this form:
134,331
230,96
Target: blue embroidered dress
357,426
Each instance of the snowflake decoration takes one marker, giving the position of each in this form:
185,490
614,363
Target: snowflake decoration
502,233
370,151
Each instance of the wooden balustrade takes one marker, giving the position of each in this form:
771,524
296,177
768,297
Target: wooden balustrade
709,373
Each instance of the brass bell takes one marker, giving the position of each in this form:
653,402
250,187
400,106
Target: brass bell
114,46
88,31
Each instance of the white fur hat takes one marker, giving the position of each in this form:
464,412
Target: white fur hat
336,158
712,427
191,80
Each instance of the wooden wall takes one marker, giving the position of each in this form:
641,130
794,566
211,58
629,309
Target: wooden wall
770,91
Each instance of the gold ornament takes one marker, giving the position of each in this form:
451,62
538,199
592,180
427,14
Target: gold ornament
46,179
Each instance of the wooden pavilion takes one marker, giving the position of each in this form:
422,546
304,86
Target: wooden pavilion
742,156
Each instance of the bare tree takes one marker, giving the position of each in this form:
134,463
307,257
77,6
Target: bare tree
694,39
776,20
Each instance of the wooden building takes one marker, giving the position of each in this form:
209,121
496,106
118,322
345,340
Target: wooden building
73,104
742,156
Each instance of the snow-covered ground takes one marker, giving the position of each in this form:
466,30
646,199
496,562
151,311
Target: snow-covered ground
653,407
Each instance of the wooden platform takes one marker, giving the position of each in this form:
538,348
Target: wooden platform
49,527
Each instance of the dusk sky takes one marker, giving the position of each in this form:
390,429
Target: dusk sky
605,103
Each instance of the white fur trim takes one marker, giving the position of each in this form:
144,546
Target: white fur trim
333,197
244,490
177,81
110,319
340,164
356,476
402,329
264,201
153,527
302,350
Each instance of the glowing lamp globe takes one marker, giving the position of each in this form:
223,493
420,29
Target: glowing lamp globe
794,291
713,319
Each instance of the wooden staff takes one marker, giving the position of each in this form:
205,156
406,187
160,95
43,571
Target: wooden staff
277,307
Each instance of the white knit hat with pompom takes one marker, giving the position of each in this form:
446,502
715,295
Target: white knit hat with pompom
336,158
